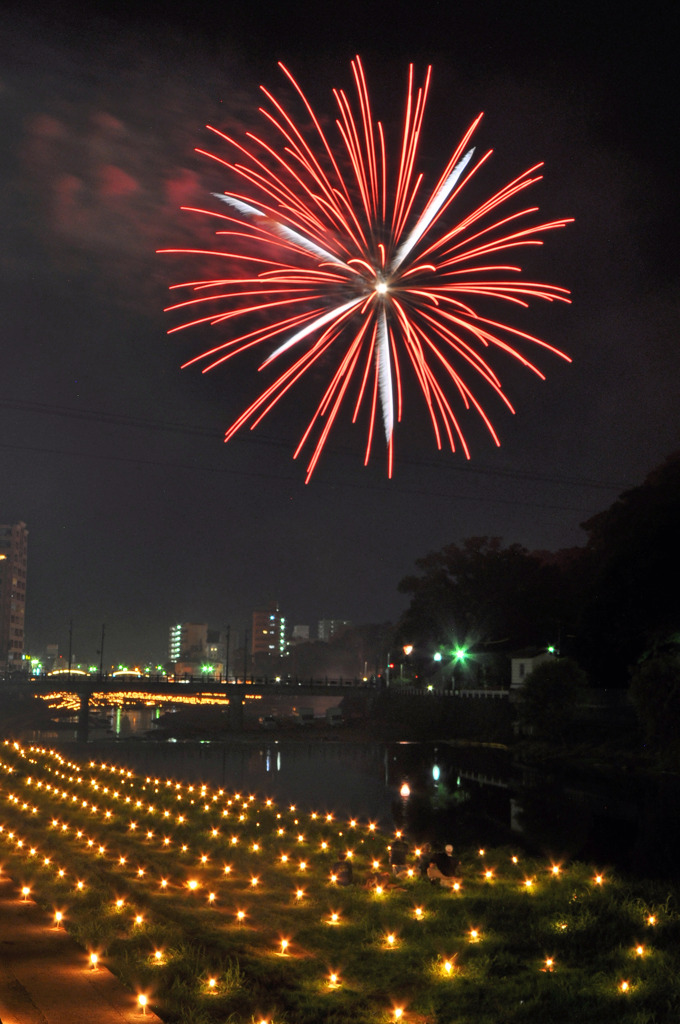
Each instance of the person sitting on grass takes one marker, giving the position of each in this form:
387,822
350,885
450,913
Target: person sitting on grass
424,859
444,868
342,870
398,854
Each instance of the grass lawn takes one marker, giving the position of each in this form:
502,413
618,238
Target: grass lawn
221,907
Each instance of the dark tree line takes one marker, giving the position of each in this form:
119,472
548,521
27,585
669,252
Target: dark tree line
610,605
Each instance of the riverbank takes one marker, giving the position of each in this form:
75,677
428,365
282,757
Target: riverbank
238,916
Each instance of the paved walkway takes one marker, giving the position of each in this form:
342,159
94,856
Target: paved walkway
45,977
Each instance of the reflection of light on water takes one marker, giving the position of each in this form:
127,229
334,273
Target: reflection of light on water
435,772
405,790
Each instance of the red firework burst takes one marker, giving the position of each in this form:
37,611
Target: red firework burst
332,253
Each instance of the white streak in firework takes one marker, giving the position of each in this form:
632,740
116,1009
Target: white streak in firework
309,328
279,228
385,375
431,210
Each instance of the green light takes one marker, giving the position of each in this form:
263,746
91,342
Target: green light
460,654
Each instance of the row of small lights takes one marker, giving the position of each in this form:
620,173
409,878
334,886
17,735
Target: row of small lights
489,874
390,939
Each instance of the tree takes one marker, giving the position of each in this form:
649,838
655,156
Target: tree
550,698
655,692
631,606
481,592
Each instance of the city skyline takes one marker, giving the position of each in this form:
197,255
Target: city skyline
139,516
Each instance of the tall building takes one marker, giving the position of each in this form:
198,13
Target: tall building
13,549
193,646
331,627
269,632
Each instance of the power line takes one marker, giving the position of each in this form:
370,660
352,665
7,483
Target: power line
189,429
335,484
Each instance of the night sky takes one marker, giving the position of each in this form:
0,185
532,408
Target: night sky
139,515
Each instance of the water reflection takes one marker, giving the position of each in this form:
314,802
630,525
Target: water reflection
440,792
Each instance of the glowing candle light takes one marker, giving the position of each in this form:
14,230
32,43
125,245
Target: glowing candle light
474,934
139,919
624,986
192,884
25,891
58,918
158,955
488,875
333,979
299,894
240,915
651,920
418,911
211,897
549,963
94,960
448,967
639,950
254,881
212,982
598,879
142,1000
284,945
390,939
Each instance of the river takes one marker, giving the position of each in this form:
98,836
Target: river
465,794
